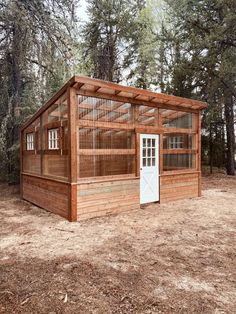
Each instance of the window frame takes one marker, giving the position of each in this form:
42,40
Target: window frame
176,142
31,143
55,140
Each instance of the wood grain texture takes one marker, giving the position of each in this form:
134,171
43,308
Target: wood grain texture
178,186
101,198
72,152
45,193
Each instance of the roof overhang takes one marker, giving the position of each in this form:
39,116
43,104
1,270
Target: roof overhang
104,89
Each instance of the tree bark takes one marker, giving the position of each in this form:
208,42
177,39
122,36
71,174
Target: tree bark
230,135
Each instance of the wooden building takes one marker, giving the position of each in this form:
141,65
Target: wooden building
97,147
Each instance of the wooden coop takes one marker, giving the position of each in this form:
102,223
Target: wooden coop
97,148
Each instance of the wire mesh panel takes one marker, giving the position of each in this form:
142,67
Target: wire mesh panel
32,148
147,116
176,119
55,139
105,147
179,145
179,161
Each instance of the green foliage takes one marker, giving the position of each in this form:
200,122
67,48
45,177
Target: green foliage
35,51
108,37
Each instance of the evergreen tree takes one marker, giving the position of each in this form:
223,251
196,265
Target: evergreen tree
206,31
108,37
35,38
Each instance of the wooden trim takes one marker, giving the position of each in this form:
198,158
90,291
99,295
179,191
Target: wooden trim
175,151
56,124
179,130
149,129
21,162
55,151
161,154
99,151
178,172
104,125
137,154
50,178
72,151
101,179
199,155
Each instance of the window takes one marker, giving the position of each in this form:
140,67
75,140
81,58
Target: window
53,138
176,142
30,141
149,152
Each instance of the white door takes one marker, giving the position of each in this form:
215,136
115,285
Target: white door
149,168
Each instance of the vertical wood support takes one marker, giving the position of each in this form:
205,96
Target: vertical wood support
134,119
72,153
21,162
137,154
199,155
161,154
41,144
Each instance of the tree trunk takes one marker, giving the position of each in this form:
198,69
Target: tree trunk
230,137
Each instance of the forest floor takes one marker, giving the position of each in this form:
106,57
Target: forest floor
171,258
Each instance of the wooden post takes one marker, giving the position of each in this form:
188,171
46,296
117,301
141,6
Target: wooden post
199,155
21,161
161,153
72,153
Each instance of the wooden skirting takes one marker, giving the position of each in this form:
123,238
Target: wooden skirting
179,186
110,197
48,194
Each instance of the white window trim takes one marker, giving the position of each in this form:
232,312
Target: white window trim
53,139
30,141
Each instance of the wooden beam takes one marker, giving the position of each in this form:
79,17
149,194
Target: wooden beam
72,152
199,155
101,151
149,129
173,151
179,130
105,125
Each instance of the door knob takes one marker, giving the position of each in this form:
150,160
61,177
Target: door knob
141,168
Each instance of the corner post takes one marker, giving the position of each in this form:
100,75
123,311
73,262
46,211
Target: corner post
21,163
199,154
72,153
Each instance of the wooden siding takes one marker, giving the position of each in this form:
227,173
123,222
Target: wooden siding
50,195
103,198
178,186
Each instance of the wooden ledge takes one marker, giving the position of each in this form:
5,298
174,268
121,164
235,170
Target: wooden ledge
179,172
45,177
106,179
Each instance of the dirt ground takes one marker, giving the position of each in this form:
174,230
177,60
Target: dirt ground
171,258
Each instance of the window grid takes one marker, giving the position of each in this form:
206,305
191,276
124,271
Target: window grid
53,138
176,142
149,152
30,141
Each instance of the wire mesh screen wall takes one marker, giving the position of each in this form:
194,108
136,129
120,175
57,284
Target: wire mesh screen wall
106,146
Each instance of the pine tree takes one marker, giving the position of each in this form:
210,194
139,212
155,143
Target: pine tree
206,29
108,37
35,38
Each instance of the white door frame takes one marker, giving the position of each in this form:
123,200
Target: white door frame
149,168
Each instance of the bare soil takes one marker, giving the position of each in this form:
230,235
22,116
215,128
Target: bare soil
172,258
